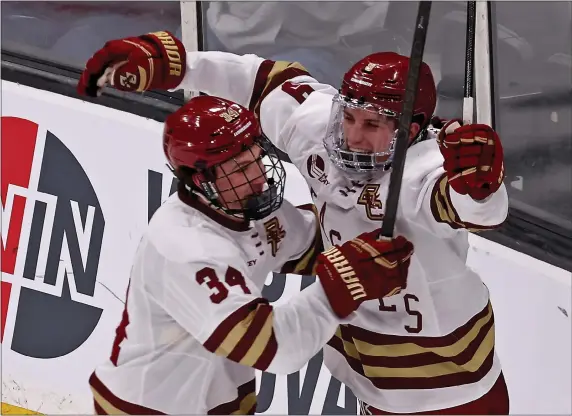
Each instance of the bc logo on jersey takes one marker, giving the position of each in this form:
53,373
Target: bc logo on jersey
369,198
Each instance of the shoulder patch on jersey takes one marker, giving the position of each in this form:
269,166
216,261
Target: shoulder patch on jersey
316,167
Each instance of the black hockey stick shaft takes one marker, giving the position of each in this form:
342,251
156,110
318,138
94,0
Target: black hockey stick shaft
469,91
402,141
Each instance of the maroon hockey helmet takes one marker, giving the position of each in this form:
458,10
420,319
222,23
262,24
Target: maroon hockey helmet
380,79
377,84
208,131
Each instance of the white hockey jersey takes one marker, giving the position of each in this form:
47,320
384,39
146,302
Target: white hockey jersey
431,346
196,327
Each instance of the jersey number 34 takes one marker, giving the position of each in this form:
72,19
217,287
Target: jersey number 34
208,276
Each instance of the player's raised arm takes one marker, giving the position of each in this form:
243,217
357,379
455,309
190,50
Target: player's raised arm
464,189
149,62
159,61
472,188
222,308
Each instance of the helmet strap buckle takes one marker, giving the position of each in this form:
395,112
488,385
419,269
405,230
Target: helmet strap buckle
204,180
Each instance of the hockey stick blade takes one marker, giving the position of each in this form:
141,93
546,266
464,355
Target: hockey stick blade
402,141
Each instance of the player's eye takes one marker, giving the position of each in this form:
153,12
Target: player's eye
239,168
244,168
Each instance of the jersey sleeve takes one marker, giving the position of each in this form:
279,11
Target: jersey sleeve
220,306
305,242
462,212
429,199
272,89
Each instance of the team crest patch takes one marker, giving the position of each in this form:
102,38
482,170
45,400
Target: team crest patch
274,234
369,198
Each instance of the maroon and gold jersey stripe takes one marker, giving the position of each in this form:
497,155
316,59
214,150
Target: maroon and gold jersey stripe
244,404
106,403
415,362
246,336
444,212
270,75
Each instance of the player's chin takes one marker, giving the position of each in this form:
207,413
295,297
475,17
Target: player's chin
247,200
239,203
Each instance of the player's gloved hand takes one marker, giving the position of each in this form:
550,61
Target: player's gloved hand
152,61
363,269
473,158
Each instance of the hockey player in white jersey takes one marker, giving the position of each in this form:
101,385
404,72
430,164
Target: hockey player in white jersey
431,347
196,326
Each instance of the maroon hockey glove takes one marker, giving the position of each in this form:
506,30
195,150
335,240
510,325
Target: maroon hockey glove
363,269
473,158
152,61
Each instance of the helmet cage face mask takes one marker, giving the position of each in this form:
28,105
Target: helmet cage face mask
257,205
336,142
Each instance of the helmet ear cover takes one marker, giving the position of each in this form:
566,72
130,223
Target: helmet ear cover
202,181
